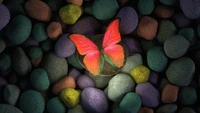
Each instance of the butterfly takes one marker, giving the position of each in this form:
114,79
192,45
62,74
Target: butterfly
110,50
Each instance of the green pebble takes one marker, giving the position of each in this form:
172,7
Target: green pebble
2,45
6,108
11,94
39,32
47,45
146,7
189,34
105,9
19,29
72,60
156,59
35,52
70,13
32,101
88,9
55,105
167,108
39,79
187,110
130,103
76,109
168,2
163,83
147,44
166,29
187,95
5,62
181,71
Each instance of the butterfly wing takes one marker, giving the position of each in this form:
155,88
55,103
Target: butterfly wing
113,52
92,59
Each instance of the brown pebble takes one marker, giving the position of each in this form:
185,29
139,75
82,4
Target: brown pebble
145,110
147,28
170,93
66,82
1,1
122,2
54,30
38,10
163,11
36,62
76,2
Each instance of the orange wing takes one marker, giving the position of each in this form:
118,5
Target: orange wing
92,58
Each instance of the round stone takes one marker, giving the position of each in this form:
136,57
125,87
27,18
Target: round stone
35,52
187,95
11,94
167,108
189,34
76,109
55,105
4,16
6,108
39,32
146,7
5,62
54,30
170,93
85,81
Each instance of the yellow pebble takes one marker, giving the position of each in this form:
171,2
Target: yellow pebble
140,74
70,97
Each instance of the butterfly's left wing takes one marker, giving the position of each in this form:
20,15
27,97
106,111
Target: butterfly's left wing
113,52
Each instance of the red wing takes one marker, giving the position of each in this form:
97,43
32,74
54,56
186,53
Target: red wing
112,34
92,62
83,44
115,55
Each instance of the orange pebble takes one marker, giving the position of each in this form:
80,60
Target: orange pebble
54,30
76,2
170,93
147,28
145,110
66,82
36,62
163,11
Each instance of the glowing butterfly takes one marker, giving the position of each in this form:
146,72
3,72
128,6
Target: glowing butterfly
110,51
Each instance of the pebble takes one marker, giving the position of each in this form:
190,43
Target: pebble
130,103
32,101
149,94
76,109
39,32
167,108
66,82
189,34
4,16
153,78
2,45
131,62
117,91
187,95
181,71
168,2
94,100
163,11
36,62
187,110
47,44
176,46
55,105
156,59
39,79
76,2
128,19
140,74
35,52
38,10
20,62
170,93
55,67
146,7
180,20
70,97
6,108
145,110
64,47
72,60
18,29
5,62
84,81
74,73
147,28
54,30
11,94
148,44
103,10
70,13
15,7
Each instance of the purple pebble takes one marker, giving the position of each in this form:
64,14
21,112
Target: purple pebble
85,81
85,26
190,8
128,20
74,73
149,94
132,44
153,78
3,82
94,100
4,16
64,46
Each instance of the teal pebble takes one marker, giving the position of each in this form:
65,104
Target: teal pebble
168,2
187,110
39,32
156,59
11,94
39,79
5,62
2,44
32,101
187,95
47,45
35,52
189,34
146,7
167,108
105,9
6,108
19,29
72,60
130,103
55,105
